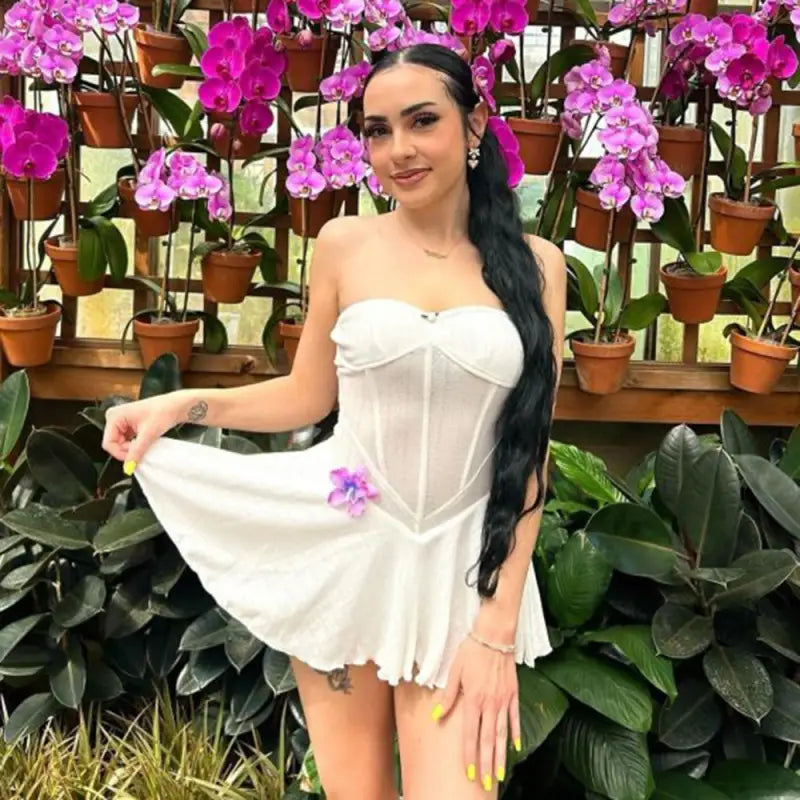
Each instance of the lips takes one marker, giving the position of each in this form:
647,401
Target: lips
409,177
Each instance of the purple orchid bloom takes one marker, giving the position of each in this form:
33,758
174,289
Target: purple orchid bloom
305,183
502,51
352,489
234,35
483,80
155,196
508,16
217,94
470,17
222,62
56,68
27,158
219,204
382,38
256,118
278,18
259,83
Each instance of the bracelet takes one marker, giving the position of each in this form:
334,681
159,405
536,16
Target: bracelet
501,648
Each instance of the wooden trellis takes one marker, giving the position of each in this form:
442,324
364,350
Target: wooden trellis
90,369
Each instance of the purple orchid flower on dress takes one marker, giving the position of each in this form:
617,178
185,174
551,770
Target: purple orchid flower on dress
352,489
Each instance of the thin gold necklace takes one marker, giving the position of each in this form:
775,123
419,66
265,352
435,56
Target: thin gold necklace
427,250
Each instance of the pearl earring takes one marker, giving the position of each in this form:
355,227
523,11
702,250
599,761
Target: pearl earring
473,155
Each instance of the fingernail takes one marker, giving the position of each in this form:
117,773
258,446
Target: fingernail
487,783
501,773
437,712
471,772
128,467
518,744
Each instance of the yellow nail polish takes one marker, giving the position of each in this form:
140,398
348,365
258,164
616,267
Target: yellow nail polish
128,467
437,712
501,773
487,783
471,772
518,744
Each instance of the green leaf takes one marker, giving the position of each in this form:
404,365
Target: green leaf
163,640
753,780
706,263
774,489
203,667
679,633
607,688
692,719
640,313
277,671
13,633
184,70
541,706
679,786
760,272
15,395
679,448
784,182
633,539
114,247
126,530
102,202
102,683
675,226
61,466
739,163
196,37
577,582
68,674
161,377
215,335
586,287
789,463
25,575
740,679
636,644
128,610
250,694
174,112
736,436
86,599
783,722
605,757
781,634
241,647
43,524
764,570
586,471
91,257
30,715
209,630
559,64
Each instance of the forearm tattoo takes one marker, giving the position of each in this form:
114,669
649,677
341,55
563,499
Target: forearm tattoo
339,680
198,411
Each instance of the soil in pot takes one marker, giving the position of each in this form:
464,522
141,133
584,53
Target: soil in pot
148,223
100,119
308,65
757,365
592,221
290,332
538,139
317,212
681,146
693,298
27,339
228,274
736,227
602,367
156,47
63,252
47,195
156,338
244,146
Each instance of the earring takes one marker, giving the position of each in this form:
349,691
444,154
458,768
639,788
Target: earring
473,155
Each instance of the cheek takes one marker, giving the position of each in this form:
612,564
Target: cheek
378,157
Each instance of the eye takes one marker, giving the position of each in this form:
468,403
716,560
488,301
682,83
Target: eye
424,120
374,131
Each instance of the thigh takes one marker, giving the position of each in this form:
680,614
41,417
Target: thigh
431,753
350,722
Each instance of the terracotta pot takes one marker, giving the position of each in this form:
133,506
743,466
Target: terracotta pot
618,53
602,367
155,47
756,366
46,195
28,341
592,221
708,8
170,337
318,212
736,227
246,6
538,139
309,65
145,10
244,146
148,223
290,332
693,298
794,280
532,7
681,146
228,274
100,120
64,255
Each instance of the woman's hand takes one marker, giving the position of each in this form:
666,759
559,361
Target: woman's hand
488,681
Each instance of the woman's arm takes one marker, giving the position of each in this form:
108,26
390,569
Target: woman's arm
498,616
308,393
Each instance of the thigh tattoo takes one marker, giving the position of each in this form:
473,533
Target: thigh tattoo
339,679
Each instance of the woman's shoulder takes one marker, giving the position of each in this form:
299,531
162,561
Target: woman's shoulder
549,255
349,229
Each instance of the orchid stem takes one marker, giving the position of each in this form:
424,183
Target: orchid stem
190,261
750,156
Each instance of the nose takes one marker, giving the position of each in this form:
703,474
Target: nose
402,146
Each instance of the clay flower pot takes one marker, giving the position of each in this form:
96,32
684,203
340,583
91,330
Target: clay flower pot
156,47
244,145
64,255
681,146
317,213
708,8
794,280
736,227
308,65
290,332
592,221
756,366
47,195
602,367
538,139
692,298
228,274
28,340
100,119
148,223
532,7
157,338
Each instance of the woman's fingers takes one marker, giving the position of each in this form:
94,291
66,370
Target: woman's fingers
488,739
501,744
471,722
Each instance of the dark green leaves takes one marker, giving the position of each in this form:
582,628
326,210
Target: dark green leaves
740,679
774,489
680,633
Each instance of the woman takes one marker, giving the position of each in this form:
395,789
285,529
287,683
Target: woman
438,326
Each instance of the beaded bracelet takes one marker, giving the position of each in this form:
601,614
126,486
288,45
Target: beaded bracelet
501,648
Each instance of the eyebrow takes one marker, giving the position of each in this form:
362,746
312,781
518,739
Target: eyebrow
404,113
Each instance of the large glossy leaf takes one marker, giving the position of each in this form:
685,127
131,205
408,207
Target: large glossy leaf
203,667
584,286
789,463
128,610
115,250
692,719
126,530
68,674
82,602
764,570
102,683
636,644
752,780
161,377
605,757
680,633
781,634
586,471
91,256
43,524
675,226
641,312
61,467
577,582
774,489
13,633
541,706
633,539
163,640
25,575
241,647
277,671
174,111
15,397
209,630
705,263
736,436
250,694
608,688
678,450
783,721
740,679
679,786
709,507
738,161
30,715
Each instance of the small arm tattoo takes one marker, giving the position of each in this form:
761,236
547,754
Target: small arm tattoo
198,411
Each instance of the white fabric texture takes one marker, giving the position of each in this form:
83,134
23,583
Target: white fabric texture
419,393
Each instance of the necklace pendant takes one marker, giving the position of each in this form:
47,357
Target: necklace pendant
434,254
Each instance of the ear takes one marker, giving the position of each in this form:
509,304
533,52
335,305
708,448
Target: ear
477,120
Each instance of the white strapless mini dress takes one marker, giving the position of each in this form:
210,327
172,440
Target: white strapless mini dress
374,562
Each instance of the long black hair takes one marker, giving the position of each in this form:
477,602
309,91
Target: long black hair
514,275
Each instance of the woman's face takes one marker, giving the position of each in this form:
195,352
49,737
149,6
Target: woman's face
415,135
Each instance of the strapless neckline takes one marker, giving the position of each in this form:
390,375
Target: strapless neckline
427,314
